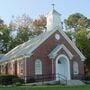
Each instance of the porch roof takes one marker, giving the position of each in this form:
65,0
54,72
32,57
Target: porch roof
55,51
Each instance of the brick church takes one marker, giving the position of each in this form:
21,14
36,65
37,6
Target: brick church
48,55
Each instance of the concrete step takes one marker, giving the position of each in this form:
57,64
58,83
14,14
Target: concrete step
69,82
75,82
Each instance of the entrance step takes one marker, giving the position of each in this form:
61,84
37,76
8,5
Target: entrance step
75,82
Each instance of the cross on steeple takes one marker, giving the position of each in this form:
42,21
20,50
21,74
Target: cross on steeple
53,5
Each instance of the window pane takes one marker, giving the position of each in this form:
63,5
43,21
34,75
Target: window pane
38,67
75,68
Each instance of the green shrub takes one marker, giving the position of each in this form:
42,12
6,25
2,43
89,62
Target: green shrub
9,79
18,84
87,78
31,80
47,84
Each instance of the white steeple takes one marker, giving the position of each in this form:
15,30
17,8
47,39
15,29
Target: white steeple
53,19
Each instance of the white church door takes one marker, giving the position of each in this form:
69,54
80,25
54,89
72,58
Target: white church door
62,68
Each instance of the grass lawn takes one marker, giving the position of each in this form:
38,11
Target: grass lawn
85,87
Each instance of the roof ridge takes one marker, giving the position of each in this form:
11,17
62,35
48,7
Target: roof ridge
15,52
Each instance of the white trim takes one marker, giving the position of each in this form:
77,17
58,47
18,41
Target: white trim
72,44
43,39
66,37
48,35
16,59
65,49
68,62
38,67
75,68
25,70
52,67
12,60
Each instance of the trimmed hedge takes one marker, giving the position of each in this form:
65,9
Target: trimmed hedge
10,79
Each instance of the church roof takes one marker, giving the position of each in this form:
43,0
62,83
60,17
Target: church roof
1,55
54,52
27,48
54,12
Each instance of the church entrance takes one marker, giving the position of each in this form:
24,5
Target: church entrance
62,68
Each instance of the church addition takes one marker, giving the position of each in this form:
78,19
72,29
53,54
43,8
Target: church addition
51,54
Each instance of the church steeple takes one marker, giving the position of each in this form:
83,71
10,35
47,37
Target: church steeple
53,19
53,5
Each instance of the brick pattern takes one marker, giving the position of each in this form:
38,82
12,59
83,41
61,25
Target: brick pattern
42,53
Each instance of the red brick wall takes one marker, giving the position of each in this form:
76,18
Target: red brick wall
42,53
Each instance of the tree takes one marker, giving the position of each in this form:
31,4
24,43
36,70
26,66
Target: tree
81,32
4,37
22,27
23,21
77,21
5,40
26,28
22,36
1,23
40,24
83,43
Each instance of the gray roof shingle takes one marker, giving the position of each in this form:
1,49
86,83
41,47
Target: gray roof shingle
25,48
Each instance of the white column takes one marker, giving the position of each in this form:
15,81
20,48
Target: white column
25,69
52,66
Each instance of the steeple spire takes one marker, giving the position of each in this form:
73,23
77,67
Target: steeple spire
53,5
53,19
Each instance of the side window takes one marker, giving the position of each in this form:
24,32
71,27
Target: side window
21,66
75,68
38,67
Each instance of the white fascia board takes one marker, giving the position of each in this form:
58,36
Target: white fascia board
48,35
62,46
65,36
72,44
54,54
67,51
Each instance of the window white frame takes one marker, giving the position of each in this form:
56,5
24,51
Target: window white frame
38,67
21,67
75,68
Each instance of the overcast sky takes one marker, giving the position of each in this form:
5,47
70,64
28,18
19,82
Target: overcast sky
34,8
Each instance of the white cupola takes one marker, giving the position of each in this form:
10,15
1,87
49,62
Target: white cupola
53,19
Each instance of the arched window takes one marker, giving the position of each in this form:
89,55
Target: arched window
38,67
75,68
